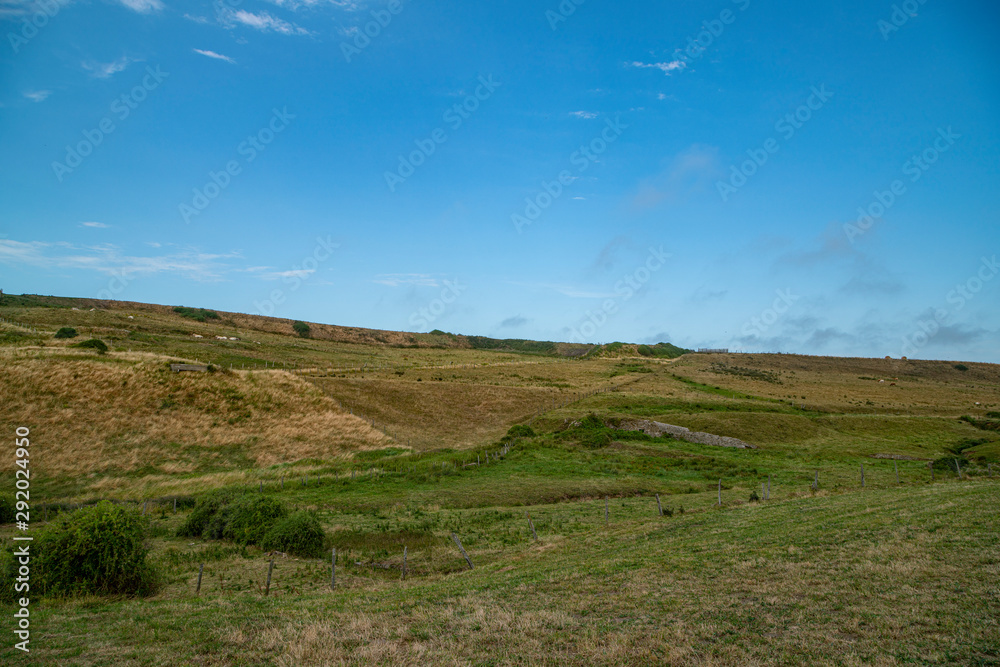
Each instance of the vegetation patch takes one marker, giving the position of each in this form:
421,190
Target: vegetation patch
96,550
299,534
196,314
233,514
66,332
93,344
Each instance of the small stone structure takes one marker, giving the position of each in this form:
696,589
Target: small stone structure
656,429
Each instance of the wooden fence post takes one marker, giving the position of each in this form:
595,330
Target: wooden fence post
816,481
270,566
862,475
260,489
895,466
659,507
404,562
958,468
531,525
606,520
175,506
144,507
720,492
333,569
462,549
201,569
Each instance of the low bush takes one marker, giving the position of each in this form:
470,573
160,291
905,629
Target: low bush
196,314
299,534
6,509
96,550
66,332
301,328
93,343
241,516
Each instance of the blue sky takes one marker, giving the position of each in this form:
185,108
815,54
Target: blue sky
699,172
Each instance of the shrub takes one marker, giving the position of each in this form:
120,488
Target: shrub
961,367
66,332
232,514
97,550
197,314
299,534
301,328
520,431
6,509
94,343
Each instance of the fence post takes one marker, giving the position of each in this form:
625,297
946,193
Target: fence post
895,466
606,511
333,569
404,562
201,569
260,489
958,468
659,507
462,549
720,492
144,507
862,475
270,566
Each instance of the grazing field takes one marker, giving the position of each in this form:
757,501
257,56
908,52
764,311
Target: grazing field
860,529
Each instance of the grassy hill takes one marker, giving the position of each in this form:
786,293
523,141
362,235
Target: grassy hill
398,442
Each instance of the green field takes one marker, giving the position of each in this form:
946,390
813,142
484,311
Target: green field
397,443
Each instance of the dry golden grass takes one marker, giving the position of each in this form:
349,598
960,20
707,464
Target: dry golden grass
852,385
111,415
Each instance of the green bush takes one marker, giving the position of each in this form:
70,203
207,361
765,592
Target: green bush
961,367
299,534
6,509
301,328
97,550
230,514
520,431
66,332
197,314
95,343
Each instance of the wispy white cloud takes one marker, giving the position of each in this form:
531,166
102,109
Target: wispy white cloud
142,6
398,279
108,260
587,115
96,225
217,56
291,273
262,21
37,95
106,70
666,67
202,20
18,8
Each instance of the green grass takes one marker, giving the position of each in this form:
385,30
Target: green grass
897,572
